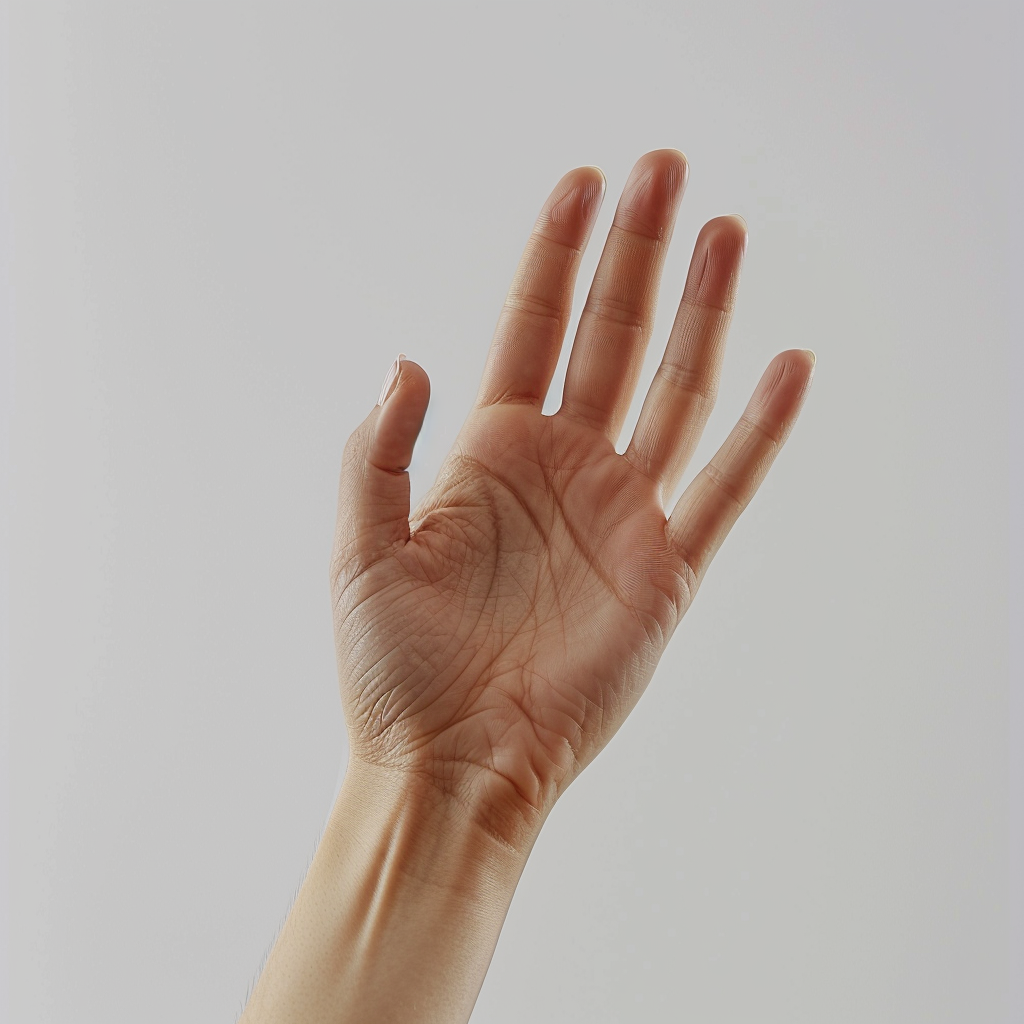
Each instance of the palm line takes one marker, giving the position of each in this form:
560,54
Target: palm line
577,539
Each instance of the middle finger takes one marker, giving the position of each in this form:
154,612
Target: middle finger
615,326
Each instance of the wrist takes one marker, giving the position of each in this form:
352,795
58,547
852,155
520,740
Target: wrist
431,824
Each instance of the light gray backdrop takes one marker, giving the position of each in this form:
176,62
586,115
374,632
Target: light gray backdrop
229,218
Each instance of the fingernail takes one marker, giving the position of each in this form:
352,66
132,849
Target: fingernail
746,230
391,379
810,352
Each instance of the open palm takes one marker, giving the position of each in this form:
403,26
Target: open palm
494,641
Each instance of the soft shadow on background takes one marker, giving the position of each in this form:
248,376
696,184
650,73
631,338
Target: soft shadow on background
227,221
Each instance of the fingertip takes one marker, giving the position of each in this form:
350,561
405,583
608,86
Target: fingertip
592,187
784,384
799,359
713,278
742,222
728,233
671,164
391,379
570,211
403,374
400,416
655,184
594,174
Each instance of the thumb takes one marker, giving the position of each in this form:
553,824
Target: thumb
373,493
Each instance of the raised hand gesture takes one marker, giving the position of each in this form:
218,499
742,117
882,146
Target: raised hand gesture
491,641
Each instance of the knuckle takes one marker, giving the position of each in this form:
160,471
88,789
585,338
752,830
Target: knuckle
772,438
534,306
727,483
611,310
695,380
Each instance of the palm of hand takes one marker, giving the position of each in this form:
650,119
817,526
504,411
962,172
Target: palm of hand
531,604
495,640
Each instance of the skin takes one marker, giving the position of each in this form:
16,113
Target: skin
491,641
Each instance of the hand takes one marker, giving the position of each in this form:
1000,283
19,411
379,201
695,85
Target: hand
494,643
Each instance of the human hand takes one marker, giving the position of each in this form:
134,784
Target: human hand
494,642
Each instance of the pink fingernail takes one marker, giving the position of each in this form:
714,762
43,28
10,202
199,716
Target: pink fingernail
391,379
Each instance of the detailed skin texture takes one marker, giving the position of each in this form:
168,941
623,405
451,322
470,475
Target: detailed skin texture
491,641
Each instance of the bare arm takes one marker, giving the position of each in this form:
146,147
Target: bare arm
491,641
399,914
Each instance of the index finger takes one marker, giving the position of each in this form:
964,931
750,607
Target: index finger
531,328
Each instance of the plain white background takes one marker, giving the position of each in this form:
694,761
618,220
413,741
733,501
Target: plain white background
222,221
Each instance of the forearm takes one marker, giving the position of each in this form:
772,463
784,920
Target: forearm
398,916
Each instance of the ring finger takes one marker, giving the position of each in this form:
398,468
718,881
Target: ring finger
682,394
